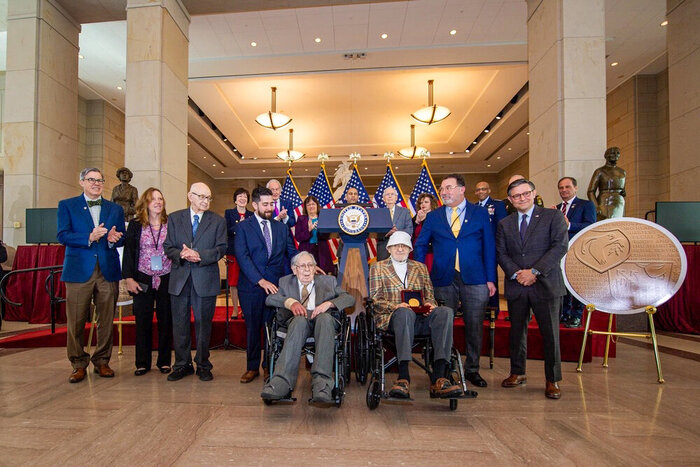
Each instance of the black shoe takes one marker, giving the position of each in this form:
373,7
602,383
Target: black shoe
141,371
180,373
204,374
165,369
476,379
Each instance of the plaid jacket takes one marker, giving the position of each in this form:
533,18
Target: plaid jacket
385,288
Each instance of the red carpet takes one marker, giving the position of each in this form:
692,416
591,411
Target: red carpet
570,339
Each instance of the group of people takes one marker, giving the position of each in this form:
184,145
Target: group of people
170,263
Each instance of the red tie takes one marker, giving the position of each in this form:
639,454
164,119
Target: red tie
563,207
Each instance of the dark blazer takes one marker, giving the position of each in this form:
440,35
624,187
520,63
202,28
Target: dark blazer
290,212
251,253
581,214
302,234
402,219
232,219
477,250
497,212
326,289
209,242
544,246
132,252
74,227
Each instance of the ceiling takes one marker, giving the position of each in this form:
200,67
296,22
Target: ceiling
361,104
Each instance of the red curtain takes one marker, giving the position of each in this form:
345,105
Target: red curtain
49,255
682,312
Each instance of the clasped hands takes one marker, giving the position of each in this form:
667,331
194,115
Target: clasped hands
298,309
100,231
525,277
188,254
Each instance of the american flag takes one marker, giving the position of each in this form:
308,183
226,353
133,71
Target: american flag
356,182
321,189
291,195
424,184
389,180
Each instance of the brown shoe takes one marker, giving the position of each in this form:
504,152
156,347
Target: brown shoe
443,389
552,391
77,376
514,380
400,389
104,371
249,376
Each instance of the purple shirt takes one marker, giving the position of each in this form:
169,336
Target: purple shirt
151,244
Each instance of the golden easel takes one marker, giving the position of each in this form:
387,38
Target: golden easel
119,322
650,310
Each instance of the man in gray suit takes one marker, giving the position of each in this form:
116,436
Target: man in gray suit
530,243
196,241
400,217
307,304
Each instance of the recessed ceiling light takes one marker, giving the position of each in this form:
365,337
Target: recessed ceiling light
528,133
213,165
222,171
317,40
488,165
365,168
474,142
306,170
255,158
226,139
510,149
263,170
396,167
253,44
120,88
385,35
466,150
664,22
235,150
453,32
614,64
81,56
486,130
188,144
452,152
498,157
242,156
204,157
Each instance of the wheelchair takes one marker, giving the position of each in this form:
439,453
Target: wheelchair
277,332
369,360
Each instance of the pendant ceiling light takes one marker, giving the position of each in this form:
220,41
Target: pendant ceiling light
432,113
272,119
290,155
413,150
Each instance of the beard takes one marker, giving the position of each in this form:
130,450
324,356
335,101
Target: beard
265,215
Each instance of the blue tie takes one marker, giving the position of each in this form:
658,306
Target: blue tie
523,227
268,239
195,225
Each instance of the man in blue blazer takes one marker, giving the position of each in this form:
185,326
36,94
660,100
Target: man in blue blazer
91,228
264,249
464,265
281,210
579,214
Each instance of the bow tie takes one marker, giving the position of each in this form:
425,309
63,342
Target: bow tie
97,202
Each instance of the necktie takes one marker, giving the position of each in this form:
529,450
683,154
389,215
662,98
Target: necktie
268,238
523,227
195,225
391,213
563,207
97,202
277,209
454,225
304,294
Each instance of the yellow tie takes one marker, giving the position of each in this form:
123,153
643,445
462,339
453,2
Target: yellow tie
454,225
391,213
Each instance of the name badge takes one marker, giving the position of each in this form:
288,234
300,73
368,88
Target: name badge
156,263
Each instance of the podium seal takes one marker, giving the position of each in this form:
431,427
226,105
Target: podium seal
353,219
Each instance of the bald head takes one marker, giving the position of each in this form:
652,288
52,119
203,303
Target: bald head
514,178
200,197
482,190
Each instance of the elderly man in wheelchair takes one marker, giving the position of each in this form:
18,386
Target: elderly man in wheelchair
307,305
391,283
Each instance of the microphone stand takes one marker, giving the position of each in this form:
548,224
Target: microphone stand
226,345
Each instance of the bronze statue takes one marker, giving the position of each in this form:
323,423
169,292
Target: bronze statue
607,187
125,194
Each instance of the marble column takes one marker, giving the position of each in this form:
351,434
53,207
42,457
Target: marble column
156,97
566,61
40,131
683,46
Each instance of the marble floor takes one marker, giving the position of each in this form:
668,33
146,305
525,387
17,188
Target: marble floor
613,416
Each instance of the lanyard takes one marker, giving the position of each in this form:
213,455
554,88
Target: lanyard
308,296
459,213
155,240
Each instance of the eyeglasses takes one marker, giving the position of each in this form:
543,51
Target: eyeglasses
95,181
523,195
448,187
306,266
203,197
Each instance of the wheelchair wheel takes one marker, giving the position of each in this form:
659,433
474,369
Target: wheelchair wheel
362,352
339,392
373,395
347,353
453,404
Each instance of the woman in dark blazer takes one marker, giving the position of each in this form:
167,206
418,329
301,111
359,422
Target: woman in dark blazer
233,217
146,270
309,238
425,203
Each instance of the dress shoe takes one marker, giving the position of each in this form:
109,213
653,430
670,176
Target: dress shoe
513,381
179,373
249,376
104,371
552,390
140,371
204,374
77,376
443,389
164,369
400,389
476,379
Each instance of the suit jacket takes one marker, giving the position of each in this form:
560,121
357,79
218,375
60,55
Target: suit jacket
475,242
251,253
581,214
232,219
209,242
544,246
385,287
326,289
74,227
497,212
290,212
402,219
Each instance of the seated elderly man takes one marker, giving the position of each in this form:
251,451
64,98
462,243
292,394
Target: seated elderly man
387,279
307,304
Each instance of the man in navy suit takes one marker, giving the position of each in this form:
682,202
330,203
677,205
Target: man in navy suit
579,214
91,228
497,212
264,249
464,268
281,210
